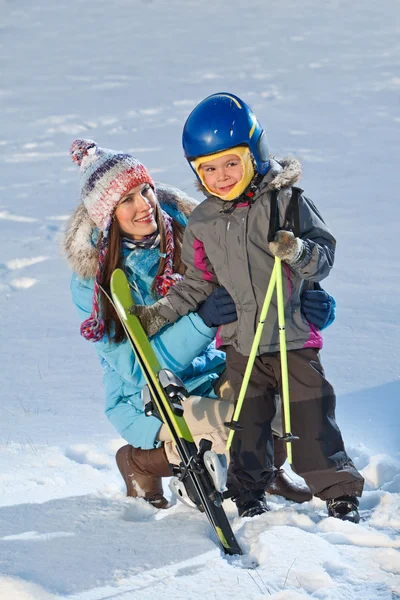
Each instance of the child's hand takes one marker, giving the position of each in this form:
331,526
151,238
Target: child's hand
149,317
287,247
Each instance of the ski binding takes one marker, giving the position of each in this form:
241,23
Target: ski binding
216,465
177,487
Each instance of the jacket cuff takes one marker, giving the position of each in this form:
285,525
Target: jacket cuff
304,258
165,310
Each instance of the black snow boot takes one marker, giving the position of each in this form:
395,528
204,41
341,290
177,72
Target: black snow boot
251,505
344,508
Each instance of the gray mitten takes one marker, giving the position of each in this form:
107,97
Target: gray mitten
287,247
149,317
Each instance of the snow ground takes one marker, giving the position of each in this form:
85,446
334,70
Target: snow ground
324,80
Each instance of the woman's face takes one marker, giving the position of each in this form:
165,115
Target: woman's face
136,212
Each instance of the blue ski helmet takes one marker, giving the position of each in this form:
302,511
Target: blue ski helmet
222,121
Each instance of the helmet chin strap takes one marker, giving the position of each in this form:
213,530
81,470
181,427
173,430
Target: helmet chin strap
244,154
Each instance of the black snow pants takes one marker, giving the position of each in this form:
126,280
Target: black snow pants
319,455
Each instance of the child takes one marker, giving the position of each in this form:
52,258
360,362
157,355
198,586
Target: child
231,240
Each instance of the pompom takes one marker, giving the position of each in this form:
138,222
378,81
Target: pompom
79,149
93,329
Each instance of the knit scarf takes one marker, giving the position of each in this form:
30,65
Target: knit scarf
93,328
168,277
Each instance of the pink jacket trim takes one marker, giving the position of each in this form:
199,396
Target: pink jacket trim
315,339
200,259
218,341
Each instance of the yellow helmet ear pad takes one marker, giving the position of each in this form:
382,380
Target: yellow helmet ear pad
243,153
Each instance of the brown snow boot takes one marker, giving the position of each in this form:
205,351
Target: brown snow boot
288,488
142,471
283,485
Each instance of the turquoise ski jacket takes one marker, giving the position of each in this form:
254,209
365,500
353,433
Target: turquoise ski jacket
187,347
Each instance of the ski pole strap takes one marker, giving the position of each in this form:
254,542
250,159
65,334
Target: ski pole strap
292,216
274,216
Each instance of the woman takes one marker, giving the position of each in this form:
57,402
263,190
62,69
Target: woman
125,221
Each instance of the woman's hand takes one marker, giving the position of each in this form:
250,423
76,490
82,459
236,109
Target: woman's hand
318,307
218,309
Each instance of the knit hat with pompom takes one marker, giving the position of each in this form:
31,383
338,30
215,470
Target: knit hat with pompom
106,177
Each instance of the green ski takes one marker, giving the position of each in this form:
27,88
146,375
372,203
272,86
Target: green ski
200,476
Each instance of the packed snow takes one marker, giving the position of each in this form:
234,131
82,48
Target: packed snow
324,79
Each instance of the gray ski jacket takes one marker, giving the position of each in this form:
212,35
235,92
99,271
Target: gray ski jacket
231,249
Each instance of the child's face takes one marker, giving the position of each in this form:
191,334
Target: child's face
222,174
136,212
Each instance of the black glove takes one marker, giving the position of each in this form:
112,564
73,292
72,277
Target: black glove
318,307
218,309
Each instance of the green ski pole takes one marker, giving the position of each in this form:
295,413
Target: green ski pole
253,353
275,280
287,437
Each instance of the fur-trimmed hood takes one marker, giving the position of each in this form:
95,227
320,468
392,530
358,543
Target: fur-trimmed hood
284,173
82,236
